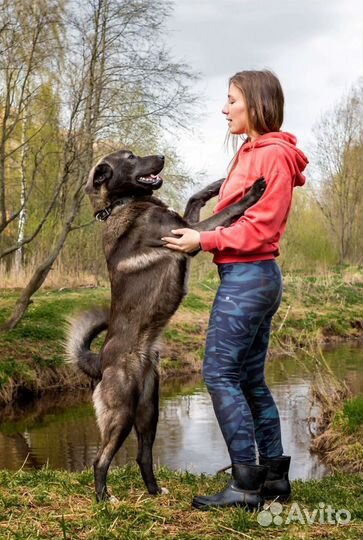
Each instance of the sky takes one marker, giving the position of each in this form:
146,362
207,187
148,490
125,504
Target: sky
315,47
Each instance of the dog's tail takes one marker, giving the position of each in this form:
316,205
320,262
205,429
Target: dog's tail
81,331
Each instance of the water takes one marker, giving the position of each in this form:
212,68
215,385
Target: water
64,436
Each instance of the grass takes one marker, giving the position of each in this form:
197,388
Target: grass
340,428
32,357
351,416
320,308
60,505
314,309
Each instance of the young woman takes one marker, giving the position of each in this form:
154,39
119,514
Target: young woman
250,291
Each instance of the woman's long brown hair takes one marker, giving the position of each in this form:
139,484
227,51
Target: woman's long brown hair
264,99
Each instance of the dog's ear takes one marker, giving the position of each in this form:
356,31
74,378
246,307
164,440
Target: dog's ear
103,172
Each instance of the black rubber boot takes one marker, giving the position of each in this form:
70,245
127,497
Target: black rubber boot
244,490
277,482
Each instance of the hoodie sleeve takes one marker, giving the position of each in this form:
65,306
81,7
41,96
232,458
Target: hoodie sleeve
261,223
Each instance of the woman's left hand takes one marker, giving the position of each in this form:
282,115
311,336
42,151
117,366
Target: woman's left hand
188,242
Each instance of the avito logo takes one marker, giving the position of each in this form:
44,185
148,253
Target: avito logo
271,514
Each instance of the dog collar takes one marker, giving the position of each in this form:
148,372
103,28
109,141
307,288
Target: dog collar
103,214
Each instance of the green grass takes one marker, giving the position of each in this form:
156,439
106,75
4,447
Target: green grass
182,333
33,350
194,303
54,504
351,416
341,442
314,308
10,369
60,505
44,319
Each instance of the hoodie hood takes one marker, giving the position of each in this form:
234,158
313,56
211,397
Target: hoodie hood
297,159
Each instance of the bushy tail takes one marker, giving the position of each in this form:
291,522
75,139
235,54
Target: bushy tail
81,331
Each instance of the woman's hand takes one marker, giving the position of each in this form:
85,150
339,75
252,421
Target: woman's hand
188,242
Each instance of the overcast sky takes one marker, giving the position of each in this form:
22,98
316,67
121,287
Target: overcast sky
314,46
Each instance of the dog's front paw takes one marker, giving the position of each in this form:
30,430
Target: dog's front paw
257,189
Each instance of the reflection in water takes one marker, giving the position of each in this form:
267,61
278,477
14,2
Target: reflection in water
188,435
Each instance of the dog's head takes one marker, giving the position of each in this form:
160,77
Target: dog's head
123,174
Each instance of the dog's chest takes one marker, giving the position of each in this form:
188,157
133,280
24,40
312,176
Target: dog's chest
115,229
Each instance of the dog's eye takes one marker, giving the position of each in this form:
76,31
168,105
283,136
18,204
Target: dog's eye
131,156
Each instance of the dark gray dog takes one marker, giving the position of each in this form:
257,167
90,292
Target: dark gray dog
148,282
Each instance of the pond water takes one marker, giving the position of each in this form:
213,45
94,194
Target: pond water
63,436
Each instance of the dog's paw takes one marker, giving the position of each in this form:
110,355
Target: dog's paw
258,188
164,491
113,500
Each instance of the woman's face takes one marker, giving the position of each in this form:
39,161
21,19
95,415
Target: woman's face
236,111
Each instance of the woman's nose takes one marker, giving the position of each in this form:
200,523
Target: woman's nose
225,109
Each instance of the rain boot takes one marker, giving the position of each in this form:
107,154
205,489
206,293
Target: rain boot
277,482
244,490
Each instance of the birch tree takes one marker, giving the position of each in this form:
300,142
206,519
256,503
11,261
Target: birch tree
29,50
117,78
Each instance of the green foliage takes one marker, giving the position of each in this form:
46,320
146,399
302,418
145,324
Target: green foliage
306,243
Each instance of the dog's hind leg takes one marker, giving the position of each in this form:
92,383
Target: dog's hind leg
114,437
115,424
146,420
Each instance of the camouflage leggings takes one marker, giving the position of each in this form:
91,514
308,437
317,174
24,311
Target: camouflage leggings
236,347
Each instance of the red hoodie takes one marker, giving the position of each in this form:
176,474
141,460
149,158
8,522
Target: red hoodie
256,235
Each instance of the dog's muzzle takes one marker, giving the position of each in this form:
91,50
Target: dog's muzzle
152,180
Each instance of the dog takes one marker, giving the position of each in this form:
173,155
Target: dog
148,282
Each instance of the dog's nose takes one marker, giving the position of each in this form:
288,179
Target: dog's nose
161,157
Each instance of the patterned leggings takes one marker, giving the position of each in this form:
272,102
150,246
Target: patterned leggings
233,369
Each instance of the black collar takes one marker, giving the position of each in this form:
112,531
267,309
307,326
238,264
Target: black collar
102,215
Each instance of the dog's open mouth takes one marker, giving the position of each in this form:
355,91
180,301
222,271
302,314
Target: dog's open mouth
152,180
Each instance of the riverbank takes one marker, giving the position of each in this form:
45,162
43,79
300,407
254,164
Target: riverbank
339,439
314,310
54,504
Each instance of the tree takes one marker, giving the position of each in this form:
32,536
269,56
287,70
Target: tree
29,45
306,243
338,154
116,80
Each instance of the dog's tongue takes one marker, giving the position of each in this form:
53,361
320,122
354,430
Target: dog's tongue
154,176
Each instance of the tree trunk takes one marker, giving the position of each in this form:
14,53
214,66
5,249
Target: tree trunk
2,185
18,260
44,268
